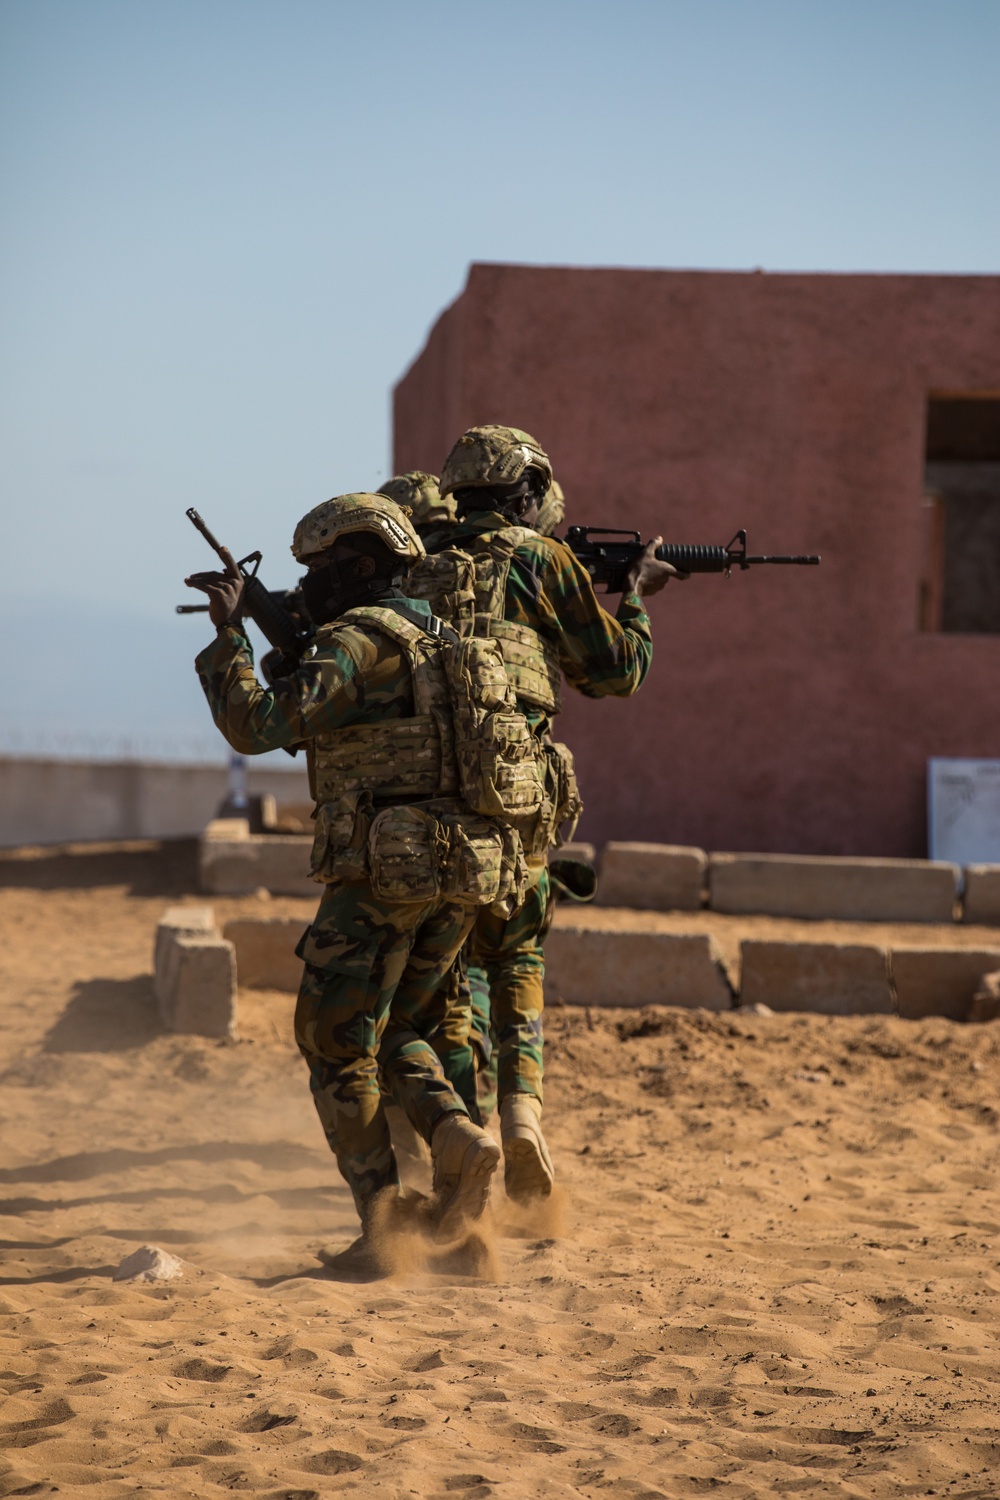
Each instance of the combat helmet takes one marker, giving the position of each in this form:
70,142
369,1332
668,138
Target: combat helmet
552,510
420,492
490,456
338,517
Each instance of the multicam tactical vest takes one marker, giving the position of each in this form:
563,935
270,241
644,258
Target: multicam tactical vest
426,806
466,586
466,737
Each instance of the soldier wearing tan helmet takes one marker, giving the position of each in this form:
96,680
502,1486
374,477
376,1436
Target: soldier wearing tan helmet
421,494
412,838
495,575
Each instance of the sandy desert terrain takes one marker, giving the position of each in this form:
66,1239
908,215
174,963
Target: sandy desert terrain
774,1267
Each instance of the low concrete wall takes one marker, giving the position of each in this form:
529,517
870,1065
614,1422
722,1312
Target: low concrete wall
593,965
981,902
64,801
652,877
939,981
265,951
233,861
850,890
836,979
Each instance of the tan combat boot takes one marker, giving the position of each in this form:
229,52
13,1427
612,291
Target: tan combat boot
528,1170
464,1158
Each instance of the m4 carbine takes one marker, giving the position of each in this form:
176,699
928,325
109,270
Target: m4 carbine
609,562
272,611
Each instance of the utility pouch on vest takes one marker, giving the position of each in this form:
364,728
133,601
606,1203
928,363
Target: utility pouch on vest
340,843
485,863
554,823
405,854
446,580
499,771
564,791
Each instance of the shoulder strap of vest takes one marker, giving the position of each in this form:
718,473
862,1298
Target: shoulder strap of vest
407,626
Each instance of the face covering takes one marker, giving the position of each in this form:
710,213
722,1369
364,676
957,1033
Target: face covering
331,591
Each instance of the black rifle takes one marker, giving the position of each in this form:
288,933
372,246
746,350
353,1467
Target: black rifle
609,562
273,612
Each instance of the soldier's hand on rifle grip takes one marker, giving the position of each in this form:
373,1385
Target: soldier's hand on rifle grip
224,590
649,575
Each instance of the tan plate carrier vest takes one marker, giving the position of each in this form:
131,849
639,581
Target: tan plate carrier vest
467,586
460,771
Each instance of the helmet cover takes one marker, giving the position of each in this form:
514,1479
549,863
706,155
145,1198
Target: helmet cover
420,492
492,455
552,510
376,514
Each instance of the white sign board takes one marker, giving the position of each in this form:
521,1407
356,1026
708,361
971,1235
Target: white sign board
963,811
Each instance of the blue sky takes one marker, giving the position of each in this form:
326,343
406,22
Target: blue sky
228,224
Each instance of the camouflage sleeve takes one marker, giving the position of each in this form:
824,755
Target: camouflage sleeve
355,674
601,655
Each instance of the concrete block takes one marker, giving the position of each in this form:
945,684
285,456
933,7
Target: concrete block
986,1001
265,951
194,973
837,979
939,981
852,890
982,895
652,877
594,965
233,861
178,922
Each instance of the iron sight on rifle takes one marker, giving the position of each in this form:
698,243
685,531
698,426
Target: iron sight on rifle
271,611
609,562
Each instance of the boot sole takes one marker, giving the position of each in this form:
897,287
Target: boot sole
526,1174
469,1200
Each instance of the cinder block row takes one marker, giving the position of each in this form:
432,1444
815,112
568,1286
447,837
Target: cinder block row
194,973
595,965
233,861
600,965
848,979
671,877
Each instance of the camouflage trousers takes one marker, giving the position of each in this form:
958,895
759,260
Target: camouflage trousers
505,961
374,997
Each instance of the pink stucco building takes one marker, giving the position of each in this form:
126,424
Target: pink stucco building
856,416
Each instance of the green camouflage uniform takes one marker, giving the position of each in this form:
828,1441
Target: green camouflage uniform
549,591
373,967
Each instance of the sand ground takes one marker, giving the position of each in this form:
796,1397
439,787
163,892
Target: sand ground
775,1267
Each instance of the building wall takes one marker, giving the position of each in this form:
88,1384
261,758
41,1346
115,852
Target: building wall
64,801
786,709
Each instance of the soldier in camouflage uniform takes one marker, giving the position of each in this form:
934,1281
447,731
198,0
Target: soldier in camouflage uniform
551,514
389,712
421,493
550,624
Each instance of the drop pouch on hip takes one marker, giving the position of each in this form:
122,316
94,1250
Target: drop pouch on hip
340,842
405,854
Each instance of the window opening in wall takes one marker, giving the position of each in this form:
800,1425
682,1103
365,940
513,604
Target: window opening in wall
960,583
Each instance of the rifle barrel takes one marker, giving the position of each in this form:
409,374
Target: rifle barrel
199,525
810,561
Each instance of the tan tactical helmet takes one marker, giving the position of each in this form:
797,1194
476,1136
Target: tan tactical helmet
552,510
420,492
346,513
492,455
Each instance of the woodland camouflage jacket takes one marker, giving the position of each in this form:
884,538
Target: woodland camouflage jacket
358,675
